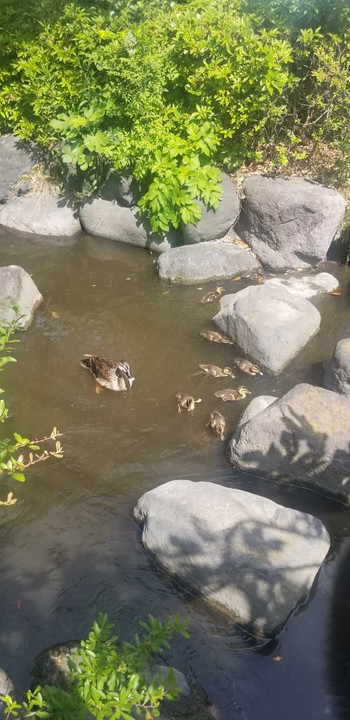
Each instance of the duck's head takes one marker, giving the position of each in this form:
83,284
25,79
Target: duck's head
228,371
123,370
243,391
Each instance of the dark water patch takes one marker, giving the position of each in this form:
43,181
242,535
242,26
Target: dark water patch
70,547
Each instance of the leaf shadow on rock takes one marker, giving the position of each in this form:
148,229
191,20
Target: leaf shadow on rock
301,455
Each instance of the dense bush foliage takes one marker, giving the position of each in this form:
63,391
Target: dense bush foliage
108,678
17,454
171,91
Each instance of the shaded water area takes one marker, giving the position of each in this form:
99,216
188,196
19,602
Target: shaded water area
70,547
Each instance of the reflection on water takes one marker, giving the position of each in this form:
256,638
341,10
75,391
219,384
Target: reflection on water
70,547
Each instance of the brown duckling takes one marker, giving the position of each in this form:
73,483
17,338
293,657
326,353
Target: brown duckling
247,366
185,402
217,337
217,422
110,374
215,371
230,394
212,296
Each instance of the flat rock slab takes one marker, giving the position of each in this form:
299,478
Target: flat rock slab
243,553
14,162
18,289
108,219
268,323
304,437
289,222
337,371
203,262
40,214
214,224
307,286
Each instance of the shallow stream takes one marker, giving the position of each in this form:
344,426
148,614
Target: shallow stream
70,547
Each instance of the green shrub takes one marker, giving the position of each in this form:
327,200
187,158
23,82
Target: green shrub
165,96
107,678
19,454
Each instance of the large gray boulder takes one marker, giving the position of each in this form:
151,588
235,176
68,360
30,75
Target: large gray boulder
40,214
304,437
306,286
337,370
206,261
243,553
214,224
268,323
17,290
108,219
289,222
14,162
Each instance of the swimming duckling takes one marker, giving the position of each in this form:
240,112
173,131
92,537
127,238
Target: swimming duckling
215,371
110,374
215,337
185,402
230,394
217,422
212,296
246,366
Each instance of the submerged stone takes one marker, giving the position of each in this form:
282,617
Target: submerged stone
243,553
289,222
268,323
203,262
306,286
19,296
304,436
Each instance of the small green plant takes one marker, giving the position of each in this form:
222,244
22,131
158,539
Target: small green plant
108,680
19,454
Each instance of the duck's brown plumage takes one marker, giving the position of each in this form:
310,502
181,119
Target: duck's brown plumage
111,374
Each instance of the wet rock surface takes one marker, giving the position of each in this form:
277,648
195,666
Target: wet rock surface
337,371
243,553
306,286
289,222
213,225
17,290
203,262
268,323
304,436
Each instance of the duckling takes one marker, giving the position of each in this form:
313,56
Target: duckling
217,422
212,296
246,366
229,394
110,374
215,337
215,371
185,402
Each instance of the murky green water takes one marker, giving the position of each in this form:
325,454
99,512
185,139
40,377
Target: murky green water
70,547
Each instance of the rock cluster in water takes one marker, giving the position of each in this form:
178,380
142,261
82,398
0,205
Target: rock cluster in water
243,553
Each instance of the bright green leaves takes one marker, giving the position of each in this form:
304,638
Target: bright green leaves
19,454
110,680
